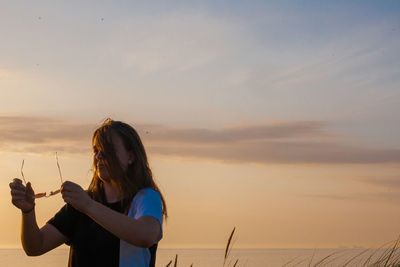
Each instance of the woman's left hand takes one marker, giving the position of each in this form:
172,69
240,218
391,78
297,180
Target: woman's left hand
74,195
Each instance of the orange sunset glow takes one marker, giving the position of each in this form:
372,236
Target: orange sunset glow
280,120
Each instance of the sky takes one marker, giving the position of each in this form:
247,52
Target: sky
279,118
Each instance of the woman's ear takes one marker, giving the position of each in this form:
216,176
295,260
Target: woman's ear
131,158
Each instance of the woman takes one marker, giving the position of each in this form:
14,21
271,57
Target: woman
116,222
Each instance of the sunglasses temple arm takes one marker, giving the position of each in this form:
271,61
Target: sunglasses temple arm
22,172
59,169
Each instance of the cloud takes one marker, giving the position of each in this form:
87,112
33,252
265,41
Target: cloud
274,131
385,188
41,130
389,182
268,152
42,135
387,196
284,142
329,196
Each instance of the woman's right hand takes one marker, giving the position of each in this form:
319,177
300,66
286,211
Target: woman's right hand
22,197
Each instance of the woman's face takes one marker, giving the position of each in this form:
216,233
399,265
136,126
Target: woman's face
124,157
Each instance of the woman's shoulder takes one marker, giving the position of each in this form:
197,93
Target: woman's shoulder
146,202
147,192
146,195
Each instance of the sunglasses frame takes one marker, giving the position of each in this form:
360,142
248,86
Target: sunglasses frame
52,193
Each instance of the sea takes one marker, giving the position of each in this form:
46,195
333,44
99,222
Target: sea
15,257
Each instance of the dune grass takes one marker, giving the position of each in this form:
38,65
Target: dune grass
380,257
388,255
228,249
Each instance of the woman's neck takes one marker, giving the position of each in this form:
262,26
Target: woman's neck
111,192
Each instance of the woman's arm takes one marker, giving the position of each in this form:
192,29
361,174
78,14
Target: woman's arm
35,241
31,237
142,232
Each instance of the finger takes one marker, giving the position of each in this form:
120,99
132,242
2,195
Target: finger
29,188
67,200
67,183
70,194
63,189
65,194
70,184
17,183
17,186
17,192
64,186
18,198
67,188
17,180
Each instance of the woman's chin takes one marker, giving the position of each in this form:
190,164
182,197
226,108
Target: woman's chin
104,177
104,180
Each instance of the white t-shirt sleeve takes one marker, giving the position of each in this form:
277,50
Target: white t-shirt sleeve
147,202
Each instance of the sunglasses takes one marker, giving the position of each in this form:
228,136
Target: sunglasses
52,193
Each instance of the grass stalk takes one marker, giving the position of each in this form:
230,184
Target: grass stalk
228,245
392,251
